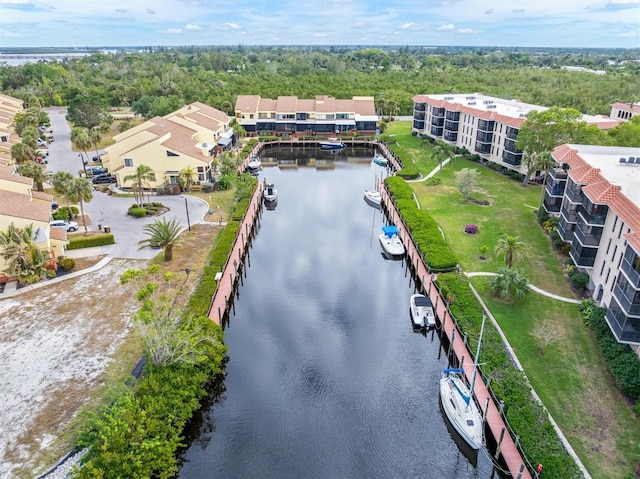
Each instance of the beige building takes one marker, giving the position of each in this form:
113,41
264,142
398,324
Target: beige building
323,115
9,106
21,205
189,137
624,111
483,125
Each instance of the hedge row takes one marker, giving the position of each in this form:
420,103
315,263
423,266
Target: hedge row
424,230
621,361
89,241
525,415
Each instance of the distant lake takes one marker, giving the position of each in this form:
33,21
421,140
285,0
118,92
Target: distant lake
17,59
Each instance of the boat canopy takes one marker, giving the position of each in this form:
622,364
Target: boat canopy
390,230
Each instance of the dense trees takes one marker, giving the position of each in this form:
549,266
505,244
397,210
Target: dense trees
23,258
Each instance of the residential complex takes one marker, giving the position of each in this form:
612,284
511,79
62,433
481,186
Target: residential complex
624,111
9,106
323,115
594,190
189,137
483,125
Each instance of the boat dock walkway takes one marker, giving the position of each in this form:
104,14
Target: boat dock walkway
506,445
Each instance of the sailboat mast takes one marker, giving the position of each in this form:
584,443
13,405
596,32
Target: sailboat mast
475,361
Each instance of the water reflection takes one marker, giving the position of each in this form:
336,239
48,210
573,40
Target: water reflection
326,377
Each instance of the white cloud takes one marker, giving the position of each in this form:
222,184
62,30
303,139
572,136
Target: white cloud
232,25
192,27
465,30
447,26
174,30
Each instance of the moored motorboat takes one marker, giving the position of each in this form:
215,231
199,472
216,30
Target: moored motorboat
373,198
254,164
391,243
270,192
332,144
380,160
421,309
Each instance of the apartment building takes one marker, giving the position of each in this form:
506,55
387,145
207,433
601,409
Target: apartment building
9,106
189,137
595,192
323,115
483,125
624,111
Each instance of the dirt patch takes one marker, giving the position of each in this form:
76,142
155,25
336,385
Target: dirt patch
56,343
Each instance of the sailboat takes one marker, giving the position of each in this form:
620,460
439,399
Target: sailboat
458,403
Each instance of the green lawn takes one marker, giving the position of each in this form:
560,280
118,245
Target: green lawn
568,374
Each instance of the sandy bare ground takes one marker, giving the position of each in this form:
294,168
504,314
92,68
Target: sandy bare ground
55,343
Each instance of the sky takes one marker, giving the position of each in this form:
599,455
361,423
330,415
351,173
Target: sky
509,23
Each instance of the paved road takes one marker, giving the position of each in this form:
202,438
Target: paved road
112,210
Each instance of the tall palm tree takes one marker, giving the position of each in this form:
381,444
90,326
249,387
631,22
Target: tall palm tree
508,283
188,174
36,172
21,152
23,258
162,234
95,135
141,178
441,151
80,138
80,190
511,247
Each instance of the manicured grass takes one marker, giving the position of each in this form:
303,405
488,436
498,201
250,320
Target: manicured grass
568,374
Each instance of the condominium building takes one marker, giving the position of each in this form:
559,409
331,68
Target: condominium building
483,125
323,115
594,190
624,111
9,106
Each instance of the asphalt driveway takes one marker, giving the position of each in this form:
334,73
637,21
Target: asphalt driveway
111,210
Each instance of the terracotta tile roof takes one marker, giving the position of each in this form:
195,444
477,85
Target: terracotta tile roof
267,104
602,192
287,104
248,103
211,112
204,121
306,105
181,138
19,205
6,173
59,234
41,195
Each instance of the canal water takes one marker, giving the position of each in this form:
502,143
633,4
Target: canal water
326,377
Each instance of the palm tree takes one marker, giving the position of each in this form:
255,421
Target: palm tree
162,234
33,170
95,136
21,152
441,151
80,190
23,258
511,247
80,138
187,174
141,178
508,283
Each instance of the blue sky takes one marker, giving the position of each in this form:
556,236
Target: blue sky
526,23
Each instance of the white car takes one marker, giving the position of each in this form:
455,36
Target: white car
41,142
68,225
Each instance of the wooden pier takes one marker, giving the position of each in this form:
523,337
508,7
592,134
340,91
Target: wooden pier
506,447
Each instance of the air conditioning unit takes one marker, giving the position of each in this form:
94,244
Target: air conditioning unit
471,98
523,115
471,103
448,98
492,106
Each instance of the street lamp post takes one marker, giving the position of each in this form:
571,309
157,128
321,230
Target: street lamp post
186,205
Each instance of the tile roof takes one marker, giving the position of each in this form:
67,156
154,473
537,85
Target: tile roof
181,138
248,103
6,173
59,234
361,105
19,205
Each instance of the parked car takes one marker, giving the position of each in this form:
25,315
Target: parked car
41,142
68,225
97,170
103,179
96,159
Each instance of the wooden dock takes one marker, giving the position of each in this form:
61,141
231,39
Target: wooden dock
508,451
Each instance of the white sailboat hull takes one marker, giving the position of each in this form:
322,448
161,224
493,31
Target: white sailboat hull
465,418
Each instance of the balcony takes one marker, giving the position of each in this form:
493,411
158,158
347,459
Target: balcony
583,256
554,188
436,131
627,267
484,137
418,116
437,121
593,214
625,329
484,148
552,204
574,194
569,212
419,106
565,230
511,158
451,136
510,145
588,235
418,125
451,126
485,125
438,112
453,116
558,173
631,306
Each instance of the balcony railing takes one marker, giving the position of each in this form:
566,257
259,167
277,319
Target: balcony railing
453,115
583,256
552,204
558,173
435,131
510,145
627,304
484,137
438,112
630,272
597,220
484,148
566,234
511,158
437,121
591,239
512,133
451,126
574,194
485,125
625,329
450,136
554,188
418,125
419,106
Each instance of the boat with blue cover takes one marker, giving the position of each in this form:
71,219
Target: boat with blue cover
391,244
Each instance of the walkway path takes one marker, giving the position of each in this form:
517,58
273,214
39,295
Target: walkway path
532,287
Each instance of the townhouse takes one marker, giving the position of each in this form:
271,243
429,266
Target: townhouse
323,115
594,191
9,106
624,111
483,125
189,137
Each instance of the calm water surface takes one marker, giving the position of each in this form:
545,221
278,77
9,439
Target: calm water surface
326,378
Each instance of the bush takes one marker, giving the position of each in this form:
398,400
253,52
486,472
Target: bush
471,229
207,187
66,213
579,280
66,263
408,172
78,242
224,183
137,212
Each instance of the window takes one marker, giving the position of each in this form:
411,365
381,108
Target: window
602,269
171,153
128,162
608,273
615,222
5,139
608,246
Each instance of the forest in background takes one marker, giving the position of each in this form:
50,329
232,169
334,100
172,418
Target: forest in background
158,80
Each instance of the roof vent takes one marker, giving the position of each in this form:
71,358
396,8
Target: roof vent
471,103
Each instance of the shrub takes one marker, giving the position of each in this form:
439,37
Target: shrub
137,212
207,187
408,172
78,242
66,213
66,263
471,229
224,183
579,280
